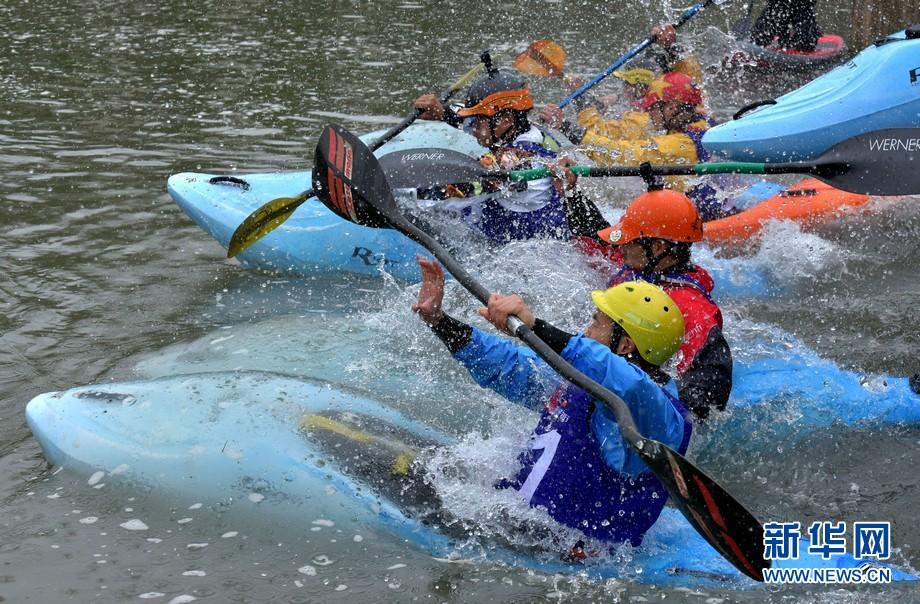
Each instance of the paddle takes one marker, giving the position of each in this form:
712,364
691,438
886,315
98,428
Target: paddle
686,16
349,180
271,215
882,162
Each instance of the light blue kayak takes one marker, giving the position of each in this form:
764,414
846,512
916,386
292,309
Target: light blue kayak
300,450
877,89
313,241
316,242
782,390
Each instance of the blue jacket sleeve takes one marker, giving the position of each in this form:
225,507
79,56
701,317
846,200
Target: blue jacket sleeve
656,417
514,372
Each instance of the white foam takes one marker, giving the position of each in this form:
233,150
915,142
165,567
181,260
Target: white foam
134,525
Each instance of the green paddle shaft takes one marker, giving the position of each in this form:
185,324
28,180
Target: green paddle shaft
688,170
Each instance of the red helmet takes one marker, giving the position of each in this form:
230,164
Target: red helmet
662,214
672,86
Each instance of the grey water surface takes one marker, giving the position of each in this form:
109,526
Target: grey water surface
101,101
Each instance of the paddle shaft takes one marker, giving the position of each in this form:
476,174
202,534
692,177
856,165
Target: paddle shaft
676,170
409,119
351,182
688,14
616,404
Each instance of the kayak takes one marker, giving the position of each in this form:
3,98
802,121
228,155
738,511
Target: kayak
268,444
843,103
782,390
829,49
313,241
808,202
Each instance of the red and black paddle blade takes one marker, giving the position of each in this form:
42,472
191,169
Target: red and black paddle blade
726,524
348,179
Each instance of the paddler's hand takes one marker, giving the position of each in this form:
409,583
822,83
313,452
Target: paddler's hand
573,83
563,178
501,307
431,294
430,107
664,35
552,115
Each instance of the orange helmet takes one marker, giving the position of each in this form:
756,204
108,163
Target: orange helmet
661,214
672,86
495,92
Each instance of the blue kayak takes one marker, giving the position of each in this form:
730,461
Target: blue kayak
877,89
316,242
293,449
313,241
782,390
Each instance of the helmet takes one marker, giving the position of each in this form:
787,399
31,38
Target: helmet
661,214
494,92
647,314
672,86
634,76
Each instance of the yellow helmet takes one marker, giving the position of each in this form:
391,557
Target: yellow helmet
635,76
647,314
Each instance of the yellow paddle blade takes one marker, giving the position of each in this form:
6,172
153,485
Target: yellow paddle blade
263,221
465,78
543,58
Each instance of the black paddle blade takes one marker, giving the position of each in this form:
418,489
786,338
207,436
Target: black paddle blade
348,179
882,162
424,168
714,513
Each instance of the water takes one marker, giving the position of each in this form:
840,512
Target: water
102,275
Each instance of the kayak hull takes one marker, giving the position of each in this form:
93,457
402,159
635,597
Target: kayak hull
839,105
808,202
313,241
244,437
829,50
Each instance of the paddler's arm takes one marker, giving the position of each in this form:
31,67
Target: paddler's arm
654,413
707,383
583,216
432,108
513,372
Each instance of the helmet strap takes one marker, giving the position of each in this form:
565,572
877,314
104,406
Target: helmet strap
652,259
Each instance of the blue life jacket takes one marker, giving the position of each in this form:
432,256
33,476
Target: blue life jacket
502,225
564,471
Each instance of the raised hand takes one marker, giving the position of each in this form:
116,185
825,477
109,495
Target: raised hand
431,294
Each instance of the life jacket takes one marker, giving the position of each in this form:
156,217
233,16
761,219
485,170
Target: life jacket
536,212
565,472
692,291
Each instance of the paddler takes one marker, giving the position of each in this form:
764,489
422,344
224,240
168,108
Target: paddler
666,127
496,112
787,24
578,467
652,241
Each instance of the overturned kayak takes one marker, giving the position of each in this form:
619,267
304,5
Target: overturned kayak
829,50
298,449
877,89
808,202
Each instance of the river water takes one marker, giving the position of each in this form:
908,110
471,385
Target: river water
103,277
